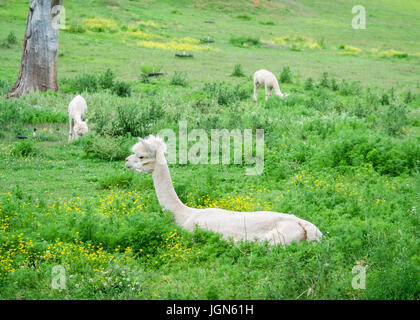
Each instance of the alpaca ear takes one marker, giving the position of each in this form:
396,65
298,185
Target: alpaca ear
148,146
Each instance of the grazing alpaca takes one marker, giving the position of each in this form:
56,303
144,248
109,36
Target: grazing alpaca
148,157
268,80
77,111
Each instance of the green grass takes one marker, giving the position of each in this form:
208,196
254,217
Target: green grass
342,151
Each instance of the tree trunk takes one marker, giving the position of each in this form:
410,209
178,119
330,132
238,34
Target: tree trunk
38,69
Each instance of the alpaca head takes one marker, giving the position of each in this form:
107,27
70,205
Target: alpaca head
146,154
284,95
81,128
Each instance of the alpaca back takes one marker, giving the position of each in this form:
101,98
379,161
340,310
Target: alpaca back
77,108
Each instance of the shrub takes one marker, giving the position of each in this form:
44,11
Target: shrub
225,94
384,99
244,17
244,41
361,149
92,83
334,85
9,41
144,78
122,89
273,102
16,113
309,84
106,80
11,38
408,97
24,148
348,89
237,71
107,148
85,82
324,80
123,180
130,119
179,78
4,86
267,23
395,118
286,75
75,28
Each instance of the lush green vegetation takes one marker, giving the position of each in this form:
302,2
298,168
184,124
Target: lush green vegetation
342,151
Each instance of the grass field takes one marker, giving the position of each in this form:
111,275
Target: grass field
342,151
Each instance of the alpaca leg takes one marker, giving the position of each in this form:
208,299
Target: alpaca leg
266,93
255,91
71,130
269,92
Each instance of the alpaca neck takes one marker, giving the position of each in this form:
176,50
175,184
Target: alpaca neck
166,194
277,89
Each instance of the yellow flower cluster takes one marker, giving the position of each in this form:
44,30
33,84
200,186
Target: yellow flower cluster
5,150
115,203
98,24
143,35
236,202
120,202
305,179
309,181
350,50
175,45
16,252
143,23
175,247
391,53
59,206
298,42
68,253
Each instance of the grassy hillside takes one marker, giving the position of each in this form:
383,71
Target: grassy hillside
342,151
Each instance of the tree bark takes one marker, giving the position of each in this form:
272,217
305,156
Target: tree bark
38,69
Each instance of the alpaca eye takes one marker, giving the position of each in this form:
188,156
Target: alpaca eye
141,157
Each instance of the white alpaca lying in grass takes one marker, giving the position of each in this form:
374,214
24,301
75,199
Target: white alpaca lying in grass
268,80
77,111
268,226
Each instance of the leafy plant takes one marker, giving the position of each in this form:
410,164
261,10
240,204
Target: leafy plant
106,80
286,75
237,71
309,84
122,89
244,41
24,148
179,78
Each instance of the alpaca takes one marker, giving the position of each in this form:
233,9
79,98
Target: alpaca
269,81
276,228
77,111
